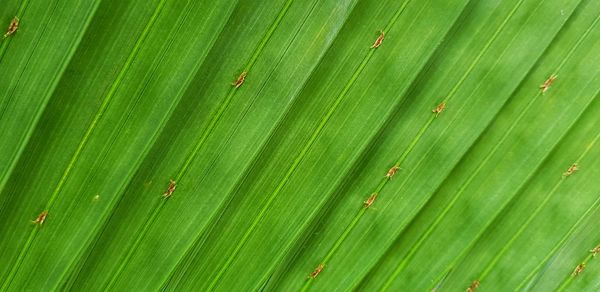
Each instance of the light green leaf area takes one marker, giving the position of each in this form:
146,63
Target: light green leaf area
253,145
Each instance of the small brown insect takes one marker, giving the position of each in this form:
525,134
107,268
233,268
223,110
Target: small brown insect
595,251
578,269
572,169
379,40
240,80
370,200
12,27
392,171
544,87
438,109
474,286
317,271
170,190
40,218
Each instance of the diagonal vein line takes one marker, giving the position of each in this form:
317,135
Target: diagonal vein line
334,105
8,99
180,21
480,166
85,139
559,244
533,214
32,50
106,101
67,284
569,278
301,238
455,88
365,149
52,87
564,60
413,250
526,180
6,41
212,124
331,252
206,133
562,63
182,264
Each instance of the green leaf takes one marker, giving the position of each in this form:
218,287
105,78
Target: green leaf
120,120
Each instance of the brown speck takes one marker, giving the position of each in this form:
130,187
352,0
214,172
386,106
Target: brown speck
474,286
317,271
392,171
578,269
170,190
12,27
240,80
370,200
572,169
544,87
40,218
379,40
438,109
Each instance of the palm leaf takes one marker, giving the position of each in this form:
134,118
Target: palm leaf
120,120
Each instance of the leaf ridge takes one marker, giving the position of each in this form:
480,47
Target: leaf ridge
467,182
560,244
90,246
206,230
6,41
